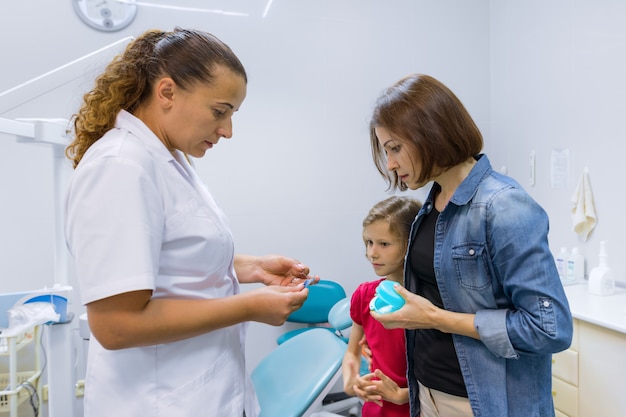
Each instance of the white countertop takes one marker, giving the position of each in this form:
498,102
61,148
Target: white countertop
603,310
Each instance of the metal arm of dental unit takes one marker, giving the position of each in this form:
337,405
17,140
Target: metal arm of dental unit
55,133
59,337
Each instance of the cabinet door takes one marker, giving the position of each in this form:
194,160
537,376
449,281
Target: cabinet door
602,371
557,413
565,366
575,345
565,397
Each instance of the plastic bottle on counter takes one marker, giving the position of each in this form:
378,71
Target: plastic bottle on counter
575,267
561,263
601,279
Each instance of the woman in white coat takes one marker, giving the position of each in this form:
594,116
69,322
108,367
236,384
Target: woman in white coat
153,251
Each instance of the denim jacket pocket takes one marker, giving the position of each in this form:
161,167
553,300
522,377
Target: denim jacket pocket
471,267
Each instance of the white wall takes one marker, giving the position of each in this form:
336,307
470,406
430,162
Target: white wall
297,177
557,82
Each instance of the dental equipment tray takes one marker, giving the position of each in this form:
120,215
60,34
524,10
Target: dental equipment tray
16,386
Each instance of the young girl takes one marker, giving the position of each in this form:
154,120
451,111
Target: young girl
384,390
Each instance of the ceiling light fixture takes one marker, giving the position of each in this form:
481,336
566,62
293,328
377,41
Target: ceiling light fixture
183,8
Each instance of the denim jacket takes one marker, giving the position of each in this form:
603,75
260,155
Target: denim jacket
492,259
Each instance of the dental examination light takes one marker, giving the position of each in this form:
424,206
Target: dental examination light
55,133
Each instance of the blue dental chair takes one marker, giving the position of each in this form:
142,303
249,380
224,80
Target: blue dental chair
295,378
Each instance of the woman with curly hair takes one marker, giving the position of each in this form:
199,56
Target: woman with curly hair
153,252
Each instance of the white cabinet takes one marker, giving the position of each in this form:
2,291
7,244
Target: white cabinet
602,371
589,378
565,397
17,385
565,391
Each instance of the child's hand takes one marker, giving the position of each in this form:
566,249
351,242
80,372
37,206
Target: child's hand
389,390
365,388
377,386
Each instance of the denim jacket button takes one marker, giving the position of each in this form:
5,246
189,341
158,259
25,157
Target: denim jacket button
546,303
472,252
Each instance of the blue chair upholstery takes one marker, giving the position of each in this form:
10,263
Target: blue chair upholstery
314,312
322,297
293,379
339,315
339,319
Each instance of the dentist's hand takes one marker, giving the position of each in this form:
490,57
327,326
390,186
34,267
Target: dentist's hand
272,270
273,304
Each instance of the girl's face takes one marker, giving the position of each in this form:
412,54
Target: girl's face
196,119
399,158
384,250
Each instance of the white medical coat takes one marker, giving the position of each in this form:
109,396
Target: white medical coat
139,218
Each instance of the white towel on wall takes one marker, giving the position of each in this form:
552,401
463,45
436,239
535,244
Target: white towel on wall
584,217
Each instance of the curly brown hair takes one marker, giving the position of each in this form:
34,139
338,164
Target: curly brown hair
187,56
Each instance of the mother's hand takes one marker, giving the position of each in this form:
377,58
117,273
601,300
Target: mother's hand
417,313
420,313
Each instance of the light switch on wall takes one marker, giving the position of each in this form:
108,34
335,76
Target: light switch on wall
531,178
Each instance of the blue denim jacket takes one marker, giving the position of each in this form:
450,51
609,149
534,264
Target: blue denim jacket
492,259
